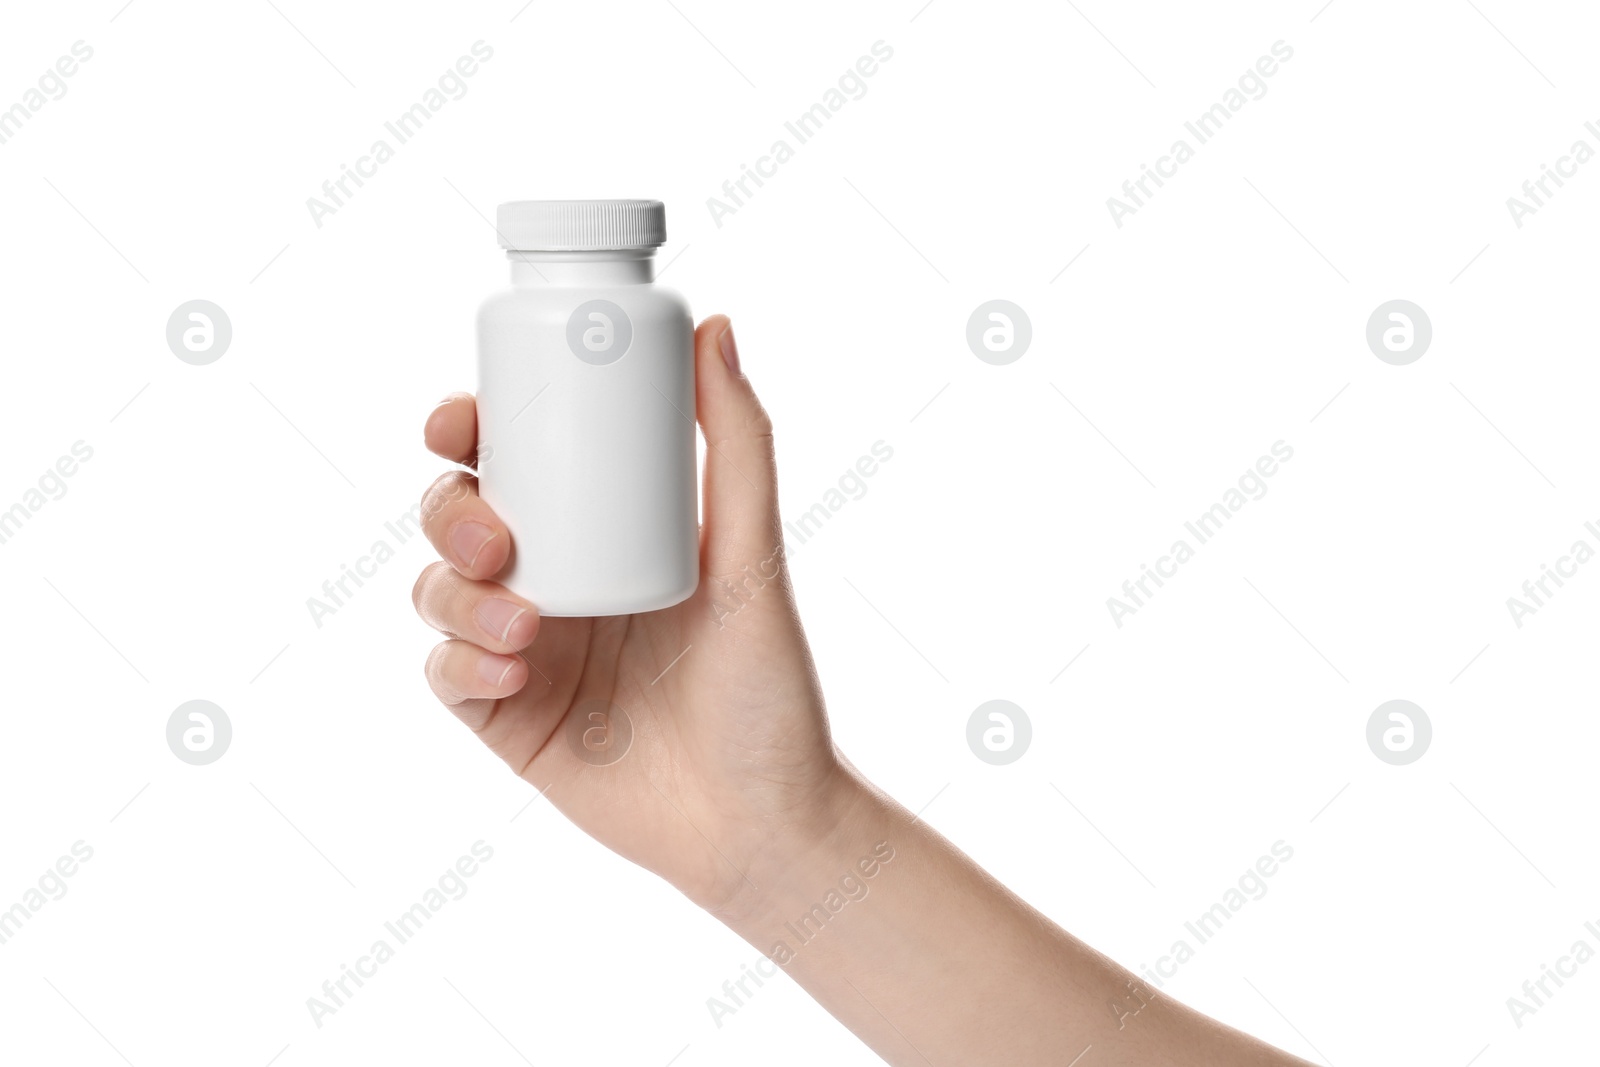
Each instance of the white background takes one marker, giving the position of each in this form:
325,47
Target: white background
1221,318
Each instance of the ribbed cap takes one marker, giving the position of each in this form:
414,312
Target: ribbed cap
581,225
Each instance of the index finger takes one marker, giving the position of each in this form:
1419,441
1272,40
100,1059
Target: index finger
451,429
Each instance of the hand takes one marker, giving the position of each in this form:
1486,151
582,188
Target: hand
731,788
730,761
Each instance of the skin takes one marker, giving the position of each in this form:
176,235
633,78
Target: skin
732,790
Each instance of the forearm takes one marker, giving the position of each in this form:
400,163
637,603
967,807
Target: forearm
930,961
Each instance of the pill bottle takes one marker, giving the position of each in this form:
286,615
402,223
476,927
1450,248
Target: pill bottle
586,410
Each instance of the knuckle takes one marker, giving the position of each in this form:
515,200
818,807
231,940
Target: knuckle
433,662
758,423
422,592
417,587
433,669
446,489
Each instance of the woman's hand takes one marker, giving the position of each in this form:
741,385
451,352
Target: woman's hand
730,788
692,741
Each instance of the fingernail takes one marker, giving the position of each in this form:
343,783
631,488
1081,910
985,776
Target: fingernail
500,617
493,669
467,539
730,350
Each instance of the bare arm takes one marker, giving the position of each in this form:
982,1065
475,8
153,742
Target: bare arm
732,790
929,960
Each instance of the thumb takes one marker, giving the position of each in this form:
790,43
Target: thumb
741,491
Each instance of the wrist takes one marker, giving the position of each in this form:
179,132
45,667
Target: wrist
808,857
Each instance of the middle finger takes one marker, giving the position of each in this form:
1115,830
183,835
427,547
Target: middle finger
484,613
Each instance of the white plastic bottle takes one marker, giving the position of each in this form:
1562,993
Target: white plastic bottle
586,410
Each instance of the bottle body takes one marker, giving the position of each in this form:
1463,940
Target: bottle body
586,430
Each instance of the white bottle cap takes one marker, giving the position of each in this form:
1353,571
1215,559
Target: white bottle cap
581,225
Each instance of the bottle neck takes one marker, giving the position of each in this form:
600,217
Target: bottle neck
632,266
